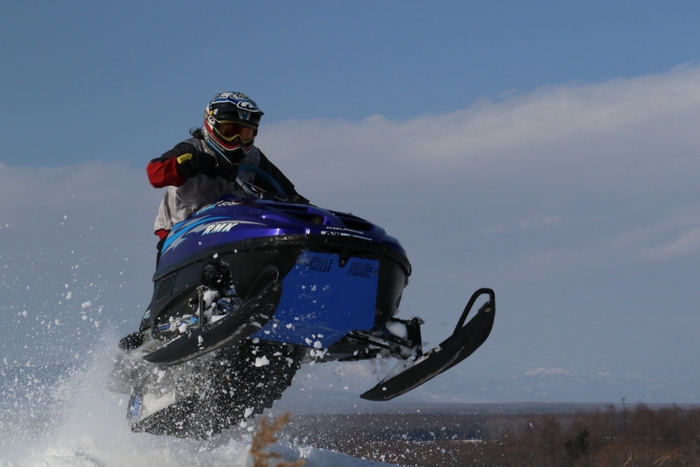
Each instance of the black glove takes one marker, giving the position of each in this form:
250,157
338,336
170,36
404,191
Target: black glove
191,164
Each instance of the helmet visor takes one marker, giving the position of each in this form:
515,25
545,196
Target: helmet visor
229,130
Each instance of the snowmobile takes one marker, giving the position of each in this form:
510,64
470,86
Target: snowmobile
251,287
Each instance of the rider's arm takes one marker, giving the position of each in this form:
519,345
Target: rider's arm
163,171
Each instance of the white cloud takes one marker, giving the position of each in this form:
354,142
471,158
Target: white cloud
687,243
611,157
620,111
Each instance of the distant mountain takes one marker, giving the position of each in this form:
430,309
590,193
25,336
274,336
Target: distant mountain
560,385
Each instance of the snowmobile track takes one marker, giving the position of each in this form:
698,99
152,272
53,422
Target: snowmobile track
232,388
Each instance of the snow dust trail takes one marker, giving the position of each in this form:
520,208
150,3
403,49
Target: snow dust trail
75,421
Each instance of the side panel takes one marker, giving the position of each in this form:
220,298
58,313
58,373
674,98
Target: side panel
322,301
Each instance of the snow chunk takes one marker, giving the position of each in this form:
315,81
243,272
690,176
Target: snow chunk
261,361
397,329
210,296
87,304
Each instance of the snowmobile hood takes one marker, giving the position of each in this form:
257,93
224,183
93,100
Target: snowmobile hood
219,227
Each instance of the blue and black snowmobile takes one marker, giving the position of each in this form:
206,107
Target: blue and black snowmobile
253,286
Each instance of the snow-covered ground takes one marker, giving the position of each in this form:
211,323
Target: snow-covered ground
76,421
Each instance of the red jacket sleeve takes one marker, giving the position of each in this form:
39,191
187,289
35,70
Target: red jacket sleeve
163,171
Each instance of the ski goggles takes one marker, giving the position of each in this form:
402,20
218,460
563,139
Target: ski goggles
230,130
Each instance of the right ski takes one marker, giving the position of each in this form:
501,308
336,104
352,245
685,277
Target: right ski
460,345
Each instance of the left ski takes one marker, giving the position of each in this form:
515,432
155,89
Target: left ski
460,345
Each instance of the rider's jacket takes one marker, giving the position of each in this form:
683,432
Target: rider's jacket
185,195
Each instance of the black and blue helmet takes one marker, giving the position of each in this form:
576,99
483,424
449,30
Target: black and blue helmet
231,122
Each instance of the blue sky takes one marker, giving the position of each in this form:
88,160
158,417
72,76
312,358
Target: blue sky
138,74
546,149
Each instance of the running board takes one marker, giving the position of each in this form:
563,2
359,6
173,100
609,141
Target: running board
245,321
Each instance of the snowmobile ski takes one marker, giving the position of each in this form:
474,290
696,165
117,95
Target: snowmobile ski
253,314
460,345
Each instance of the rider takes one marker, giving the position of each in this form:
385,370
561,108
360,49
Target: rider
200,170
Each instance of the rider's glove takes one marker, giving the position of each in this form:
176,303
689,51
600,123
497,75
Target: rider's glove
191,164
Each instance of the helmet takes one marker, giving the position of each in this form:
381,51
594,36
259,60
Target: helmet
231,122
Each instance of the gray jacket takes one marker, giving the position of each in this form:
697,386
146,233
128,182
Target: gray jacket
181,201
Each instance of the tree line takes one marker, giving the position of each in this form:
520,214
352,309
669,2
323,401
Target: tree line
668,436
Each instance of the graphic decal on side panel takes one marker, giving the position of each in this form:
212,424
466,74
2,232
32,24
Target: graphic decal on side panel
220,227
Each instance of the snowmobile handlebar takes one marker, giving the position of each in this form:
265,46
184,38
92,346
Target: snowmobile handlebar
266,176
